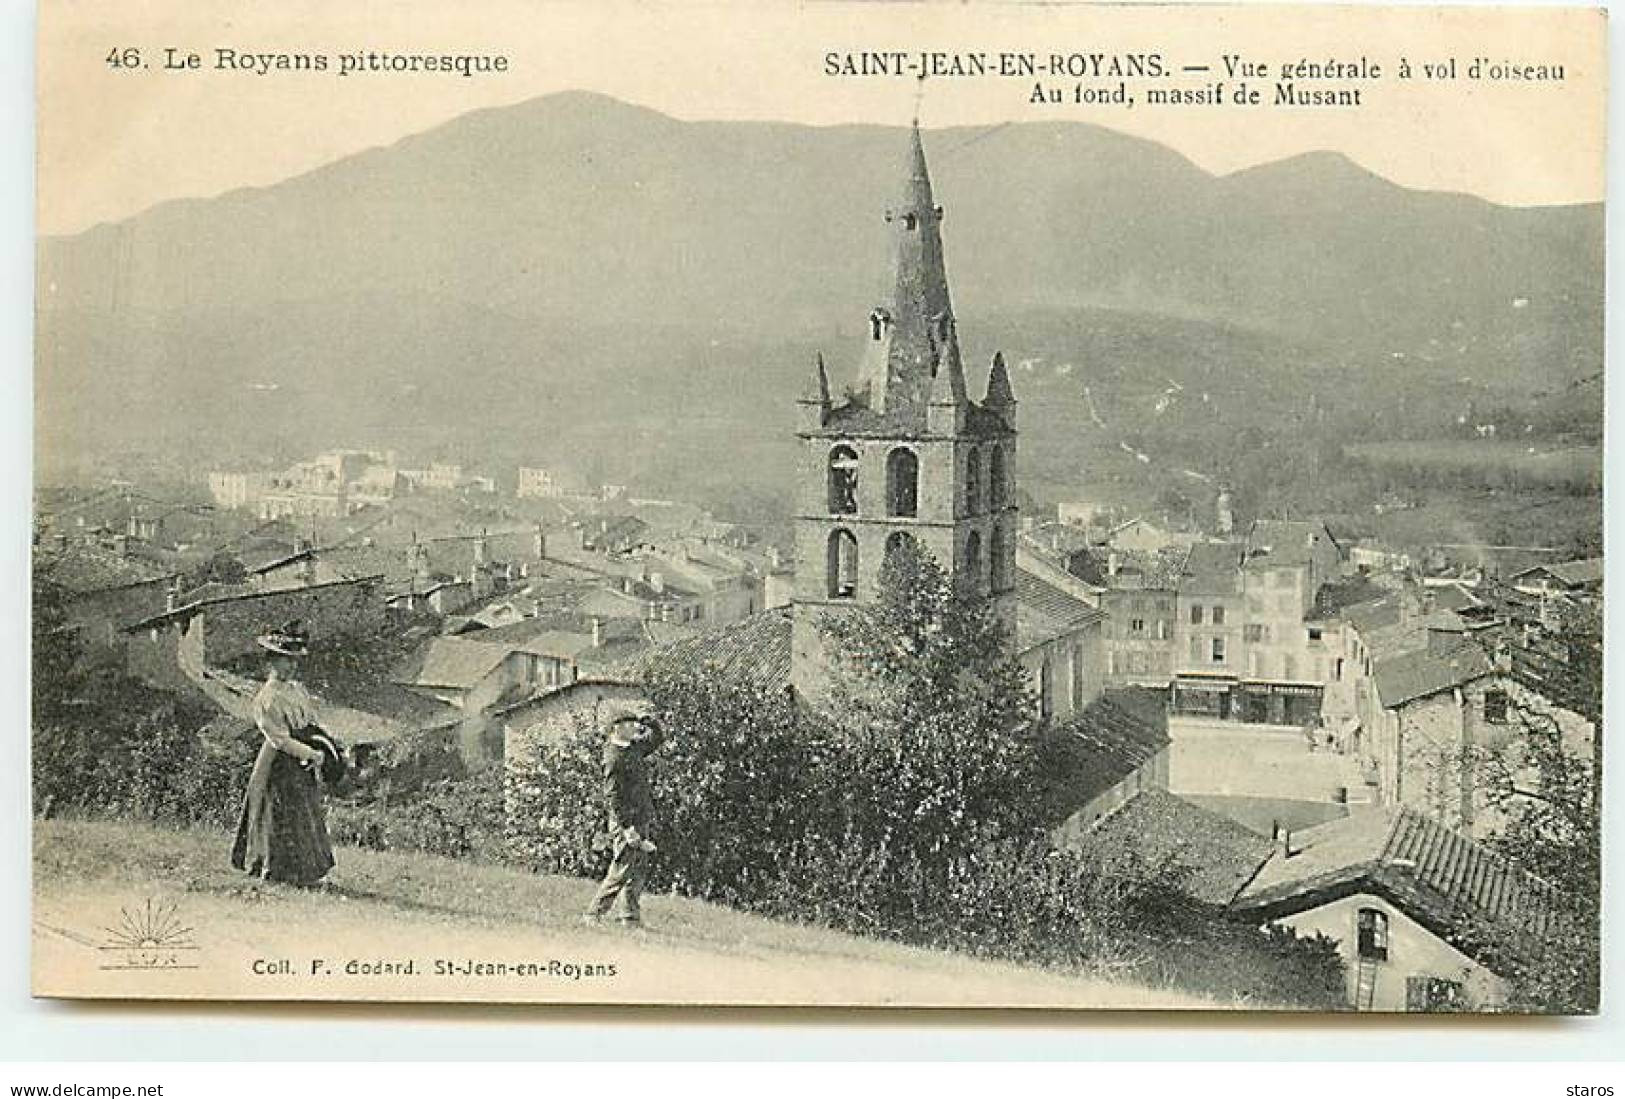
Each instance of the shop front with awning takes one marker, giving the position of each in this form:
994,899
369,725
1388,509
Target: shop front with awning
1281,703
1205,696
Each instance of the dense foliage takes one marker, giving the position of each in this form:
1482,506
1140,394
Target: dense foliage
1548,791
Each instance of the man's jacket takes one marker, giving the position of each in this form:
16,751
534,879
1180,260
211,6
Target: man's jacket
626,781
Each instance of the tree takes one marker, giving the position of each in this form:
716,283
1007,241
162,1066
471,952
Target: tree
1546,788
935,724
57,677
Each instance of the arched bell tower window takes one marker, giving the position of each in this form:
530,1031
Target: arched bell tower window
902,483
999,559
997,484
897,542
843,481
973,481
842,565
971,579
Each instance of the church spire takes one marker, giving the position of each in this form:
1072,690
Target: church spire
999,393
817,391
916,328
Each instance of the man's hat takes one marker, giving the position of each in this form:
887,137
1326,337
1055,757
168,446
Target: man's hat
288,640
622,720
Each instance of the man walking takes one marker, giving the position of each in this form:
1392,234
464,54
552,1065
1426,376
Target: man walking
632,736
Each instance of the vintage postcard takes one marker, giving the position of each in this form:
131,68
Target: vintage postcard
993,504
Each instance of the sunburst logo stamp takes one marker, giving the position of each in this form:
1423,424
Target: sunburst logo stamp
149,936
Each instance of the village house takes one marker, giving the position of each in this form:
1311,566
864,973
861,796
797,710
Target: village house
1138,593
1101,758
1207,622
488,671
1141,535
103,592
224,627
1425,918
1058,642
1290,654
1573,579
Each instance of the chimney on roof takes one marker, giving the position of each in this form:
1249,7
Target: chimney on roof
538,542
657,581
773,559
597,633
121,545
1113,563
172,594
482,549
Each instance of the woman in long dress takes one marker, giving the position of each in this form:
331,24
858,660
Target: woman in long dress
282,832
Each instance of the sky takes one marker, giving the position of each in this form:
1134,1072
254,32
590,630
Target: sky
115,140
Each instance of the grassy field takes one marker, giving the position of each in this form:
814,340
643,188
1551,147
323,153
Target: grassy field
383,906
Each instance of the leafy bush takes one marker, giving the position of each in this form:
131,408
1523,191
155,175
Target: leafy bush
120,747
458,818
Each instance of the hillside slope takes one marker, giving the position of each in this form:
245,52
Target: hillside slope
396,907
484,284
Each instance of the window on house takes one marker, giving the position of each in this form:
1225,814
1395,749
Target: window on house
1137,626
1337,670
973,481
1218,650
1077,677
1495,706
1371,938
902,483
1046,689
843,481
1196,614
1196,650
1253,632
1314,633
996,484
1162,629
841,571
1433,994
1218,616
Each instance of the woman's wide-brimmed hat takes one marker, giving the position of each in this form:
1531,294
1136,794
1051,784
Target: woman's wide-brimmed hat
288,640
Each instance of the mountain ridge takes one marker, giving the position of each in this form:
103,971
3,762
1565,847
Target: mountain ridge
504,244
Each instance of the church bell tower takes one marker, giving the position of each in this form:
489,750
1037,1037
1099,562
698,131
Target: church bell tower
904,452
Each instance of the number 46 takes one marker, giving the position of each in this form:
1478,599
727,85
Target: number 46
127,57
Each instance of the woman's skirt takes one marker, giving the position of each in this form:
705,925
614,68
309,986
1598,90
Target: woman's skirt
282,833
